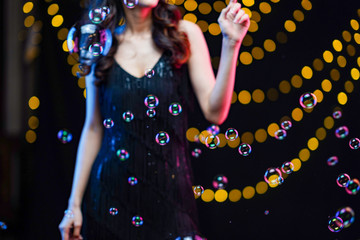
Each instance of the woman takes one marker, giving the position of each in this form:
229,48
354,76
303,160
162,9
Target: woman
134,179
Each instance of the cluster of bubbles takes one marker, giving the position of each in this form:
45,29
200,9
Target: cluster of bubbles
64,136
108,123
122,154
132,181
308,100
343,218
220,181
3,226
162,138
137,221
281,133
198,191
196,152
352,186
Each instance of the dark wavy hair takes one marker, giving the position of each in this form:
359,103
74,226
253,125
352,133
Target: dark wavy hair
165,33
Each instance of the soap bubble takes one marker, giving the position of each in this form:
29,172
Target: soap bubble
308,100
162,138
231,134
151,101
272,176
128,116
342,180
337,114
131,3
151,112
122,154
132,181
149,73
113,211
342,132
212,141
287,167
175,109
335,224
196,152
332,161
137,221
220,181
266,212
108,123
354,143
244,149
198,190
64,136
346,214
96,49
3,226
280,134
286,125
98,15
352,186
213,129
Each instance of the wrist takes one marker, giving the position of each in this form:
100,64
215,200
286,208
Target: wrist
74,203
231,43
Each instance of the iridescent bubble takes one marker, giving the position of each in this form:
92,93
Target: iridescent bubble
231,134
108,123
113,211
272,176
162,138
212,141
335,224
137,221
131,3
337,114
342,180
64,136
266,212
149,73
342,132
132,181
122,154
281,180
220,181
308,100
287,167
198,190
280,134
352,186
332,161
286,125
196,152
354,143
151,101
346,214
128,116
244,149
96,49
175,109
98,15
3,226
151,113
213,129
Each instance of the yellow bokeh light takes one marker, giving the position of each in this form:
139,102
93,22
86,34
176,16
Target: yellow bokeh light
261,187
357,38
320,133
192,134
244,97
306,4
272,128
258,96
269,45
337,45
307,72
34,102
342,98
204,8
355,74
284,87
72,59
219,6
53,9
296,81
253,26
62,34
203,25
248,192
272,94
179,2
255,16
298,15
257,53
28,7
81,82
335,74
304,154
208,195
328,56
84,93
341,61
234,143
190,5
247,11
349,86
245,58
57,21
297,114
273,181
346,36
290,26
260,135
247,137
265,7
30,136
326,85
191,18
313,144
248,3
214,29
234,195
318,64
319,95
275,1
222,140
281,37
33,122
354,24
234,97
329,122
247,41
203,135
350,49
29,21
221,195
297,164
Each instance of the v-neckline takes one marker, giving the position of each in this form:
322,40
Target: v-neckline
158,61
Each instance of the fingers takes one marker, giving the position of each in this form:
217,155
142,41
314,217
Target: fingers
238,16
244,20
230,11
77,229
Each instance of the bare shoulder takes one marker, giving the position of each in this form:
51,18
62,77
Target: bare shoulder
189,27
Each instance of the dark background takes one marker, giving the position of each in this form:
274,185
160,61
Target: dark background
36,177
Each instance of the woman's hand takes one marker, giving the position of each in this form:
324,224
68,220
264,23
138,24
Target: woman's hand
234,22
70,225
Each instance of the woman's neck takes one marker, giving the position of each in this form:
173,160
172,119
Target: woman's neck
138,20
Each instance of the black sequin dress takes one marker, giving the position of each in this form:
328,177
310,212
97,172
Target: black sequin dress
162,197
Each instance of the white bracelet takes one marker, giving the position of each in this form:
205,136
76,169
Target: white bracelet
69,213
